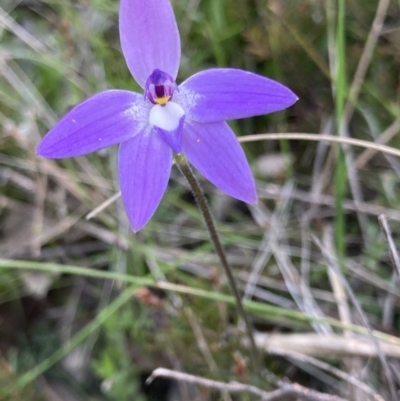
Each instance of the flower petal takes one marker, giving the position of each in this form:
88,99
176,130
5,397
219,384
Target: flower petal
144,167
214,150
104,119
149,38
226,94
168,122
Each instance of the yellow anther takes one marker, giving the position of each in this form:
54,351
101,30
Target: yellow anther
162,100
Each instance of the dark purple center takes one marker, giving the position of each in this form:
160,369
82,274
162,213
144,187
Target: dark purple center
160,87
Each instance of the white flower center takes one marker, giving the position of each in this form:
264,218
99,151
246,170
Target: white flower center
166,117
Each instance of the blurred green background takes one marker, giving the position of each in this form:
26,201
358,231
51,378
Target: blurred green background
96,331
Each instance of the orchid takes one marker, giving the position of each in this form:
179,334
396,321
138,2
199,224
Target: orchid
167,118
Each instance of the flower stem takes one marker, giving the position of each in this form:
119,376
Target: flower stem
187,172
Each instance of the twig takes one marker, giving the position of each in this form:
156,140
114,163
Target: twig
291,390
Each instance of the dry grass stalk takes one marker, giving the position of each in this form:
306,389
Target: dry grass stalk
392,247
275,191
330,345
365,58
330,259
354,365
386,136
318,137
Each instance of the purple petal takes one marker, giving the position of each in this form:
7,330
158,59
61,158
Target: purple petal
149,38
214,150
228,94
104,119
144,168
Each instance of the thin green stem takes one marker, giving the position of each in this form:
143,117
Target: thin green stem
269,312
185,169
341,172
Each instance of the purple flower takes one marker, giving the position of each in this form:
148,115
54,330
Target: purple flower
188,118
